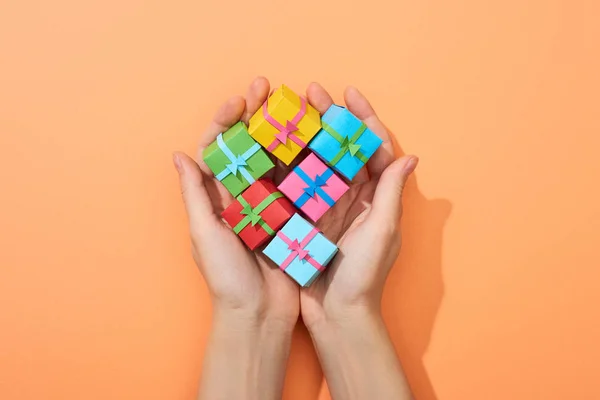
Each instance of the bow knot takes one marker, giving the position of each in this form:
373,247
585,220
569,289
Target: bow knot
315,184
249,211
353,149
285,131
236,163
297,248
350,146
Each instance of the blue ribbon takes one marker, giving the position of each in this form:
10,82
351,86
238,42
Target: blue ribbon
314,187
238,163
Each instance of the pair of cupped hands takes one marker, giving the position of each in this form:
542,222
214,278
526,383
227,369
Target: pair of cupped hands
364,223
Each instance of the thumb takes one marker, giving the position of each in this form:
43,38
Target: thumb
387,202
197,202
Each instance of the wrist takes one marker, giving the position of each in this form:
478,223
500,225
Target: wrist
358,357
253,321
249,349
342,320
355,352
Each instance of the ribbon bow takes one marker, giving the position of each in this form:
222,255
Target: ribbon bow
314,187
238,163
283,134
298,250
353,148
347,145
285,131
249,211
252,215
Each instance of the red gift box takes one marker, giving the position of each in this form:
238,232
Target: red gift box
258,213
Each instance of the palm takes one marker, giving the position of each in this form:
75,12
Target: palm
336,224
257,269
254,271
343,225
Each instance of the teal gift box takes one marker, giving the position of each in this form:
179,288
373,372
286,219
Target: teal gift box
344,142
300,250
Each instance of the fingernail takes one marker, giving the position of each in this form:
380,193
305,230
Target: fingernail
410,165
354,89
257,80
177,163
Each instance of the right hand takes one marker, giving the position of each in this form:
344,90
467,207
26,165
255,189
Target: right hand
365,223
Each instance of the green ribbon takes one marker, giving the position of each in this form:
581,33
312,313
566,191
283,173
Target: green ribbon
347,145
252,215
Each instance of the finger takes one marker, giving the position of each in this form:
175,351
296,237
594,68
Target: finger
197,202
255,97
318,97
387,202
359,105
229,113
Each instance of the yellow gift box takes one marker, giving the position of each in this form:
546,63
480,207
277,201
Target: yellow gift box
285,124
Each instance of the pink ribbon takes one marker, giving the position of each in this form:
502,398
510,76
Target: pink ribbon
298,250
285,132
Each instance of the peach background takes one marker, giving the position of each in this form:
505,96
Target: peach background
496,294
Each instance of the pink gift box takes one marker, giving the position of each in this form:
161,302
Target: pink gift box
313,187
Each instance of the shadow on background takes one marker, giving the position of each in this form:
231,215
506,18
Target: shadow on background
415,287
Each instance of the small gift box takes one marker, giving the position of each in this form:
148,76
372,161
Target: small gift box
285,124
300,250
236,159
313,187
258,213
345,142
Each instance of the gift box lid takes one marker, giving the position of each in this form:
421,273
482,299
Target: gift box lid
313,187
297,228
346,125
285,112
274,215
238,141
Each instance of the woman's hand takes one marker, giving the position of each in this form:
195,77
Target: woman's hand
255,306
364,223
341,309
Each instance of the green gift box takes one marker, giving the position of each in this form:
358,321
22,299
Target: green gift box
236,159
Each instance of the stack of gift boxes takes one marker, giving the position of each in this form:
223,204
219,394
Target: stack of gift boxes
286,124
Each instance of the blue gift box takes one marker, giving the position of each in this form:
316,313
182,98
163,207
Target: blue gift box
344,142
300,250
